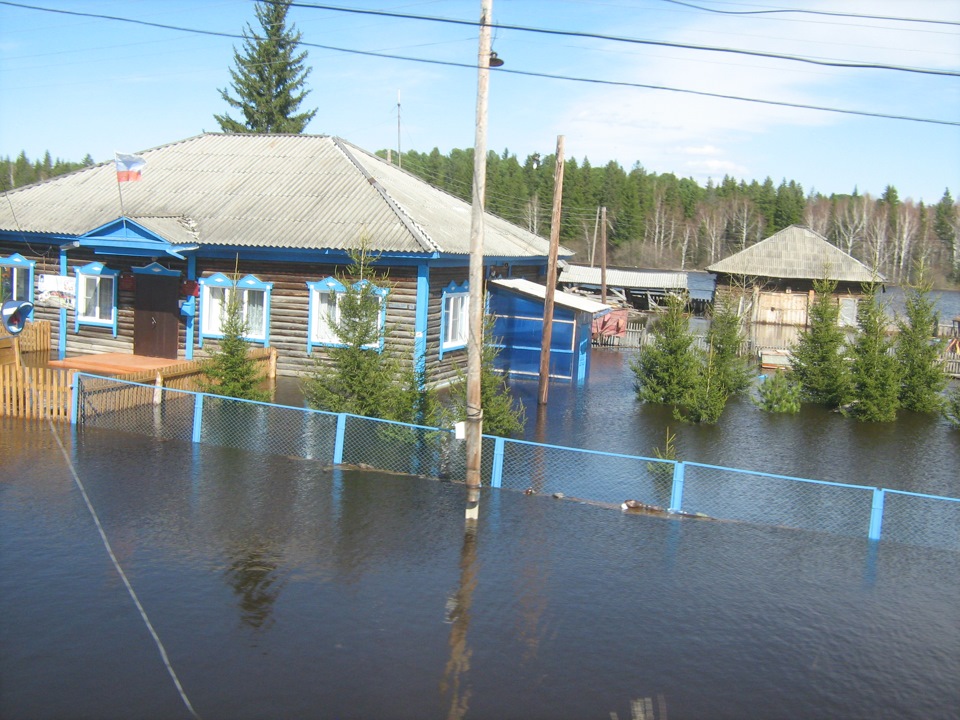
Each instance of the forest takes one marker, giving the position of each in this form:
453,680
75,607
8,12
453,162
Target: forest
663,221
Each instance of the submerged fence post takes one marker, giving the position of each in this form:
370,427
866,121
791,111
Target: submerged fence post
197,416
496,473
876,514
676,494
338,443
74,399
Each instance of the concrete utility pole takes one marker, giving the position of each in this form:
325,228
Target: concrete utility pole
474,420
551,276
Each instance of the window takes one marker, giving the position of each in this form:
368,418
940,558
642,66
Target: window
96,296
454,317
252,295
325,311
16,278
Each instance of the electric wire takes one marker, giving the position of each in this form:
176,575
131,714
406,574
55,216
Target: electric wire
618,38
826,13
527,73
122,574
103,536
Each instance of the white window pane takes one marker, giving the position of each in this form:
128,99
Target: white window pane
254,312
21,285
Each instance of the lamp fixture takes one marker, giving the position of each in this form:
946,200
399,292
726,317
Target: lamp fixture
494,60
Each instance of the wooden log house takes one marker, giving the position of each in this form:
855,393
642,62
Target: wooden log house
145,267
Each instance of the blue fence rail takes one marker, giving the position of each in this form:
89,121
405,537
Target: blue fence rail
589,475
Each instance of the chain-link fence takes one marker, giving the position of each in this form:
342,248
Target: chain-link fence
590,475
777,500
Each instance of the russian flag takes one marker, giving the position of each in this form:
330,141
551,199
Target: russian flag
129,167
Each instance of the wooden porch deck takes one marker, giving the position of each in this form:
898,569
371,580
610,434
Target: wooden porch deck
114,363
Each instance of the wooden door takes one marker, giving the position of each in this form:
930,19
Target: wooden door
156,316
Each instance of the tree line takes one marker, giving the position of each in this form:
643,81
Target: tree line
659,220
22,171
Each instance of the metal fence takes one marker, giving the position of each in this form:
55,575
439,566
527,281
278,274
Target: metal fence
597,477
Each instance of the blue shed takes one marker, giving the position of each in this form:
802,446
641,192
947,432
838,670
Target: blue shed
517,306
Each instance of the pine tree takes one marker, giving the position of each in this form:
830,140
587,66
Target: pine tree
922,376
269,77
817,359
875,372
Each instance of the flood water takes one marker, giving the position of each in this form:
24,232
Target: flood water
283,589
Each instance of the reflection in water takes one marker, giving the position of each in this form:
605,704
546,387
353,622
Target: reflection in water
253,576
458,615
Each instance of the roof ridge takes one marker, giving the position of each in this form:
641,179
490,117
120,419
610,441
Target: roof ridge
412,227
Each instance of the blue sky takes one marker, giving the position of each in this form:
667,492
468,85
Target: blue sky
77,85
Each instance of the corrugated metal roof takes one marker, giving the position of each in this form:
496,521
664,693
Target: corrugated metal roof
269,191
796,252
633,279
564,299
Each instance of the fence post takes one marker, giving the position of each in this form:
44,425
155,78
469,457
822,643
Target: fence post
197,416
74,398
876,514
676,493
338,443
496,473
158,389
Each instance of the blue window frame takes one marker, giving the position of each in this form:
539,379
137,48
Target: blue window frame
325,296
454,317
254,297
96,297
16,278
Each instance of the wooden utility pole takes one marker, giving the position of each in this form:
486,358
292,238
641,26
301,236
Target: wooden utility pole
603,255
551,276
474,420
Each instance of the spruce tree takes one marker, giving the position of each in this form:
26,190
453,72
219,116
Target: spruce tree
269,77
230,371
666,372
875,372
503,415
922,376
817,359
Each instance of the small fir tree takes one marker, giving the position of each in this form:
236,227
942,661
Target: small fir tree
361,375
922,378
666,371
705,400
269,77
779,393
725,338
231,371
875,372
817,359
503,415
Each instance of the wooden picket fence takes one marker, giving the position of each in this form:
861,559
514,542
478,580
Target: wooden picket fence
35,392
39,392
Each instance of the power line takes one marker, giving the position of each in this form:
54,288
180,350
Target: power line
527,73
634,41
826,13
519,28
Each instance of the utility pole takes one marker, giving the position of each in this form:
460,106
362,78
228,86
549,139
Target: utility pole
551,277
399,154
474,420
603,255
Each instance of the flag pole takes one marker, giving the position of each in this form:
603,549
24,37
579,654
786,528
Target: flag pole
116,172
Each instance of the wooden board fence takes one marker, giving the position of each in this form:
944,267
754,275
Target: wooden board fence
32,392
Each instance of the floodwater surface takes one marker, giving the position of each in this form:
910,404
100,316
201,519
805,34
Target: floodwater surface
283,589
